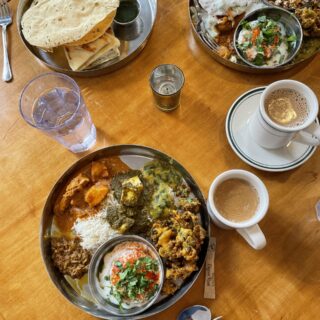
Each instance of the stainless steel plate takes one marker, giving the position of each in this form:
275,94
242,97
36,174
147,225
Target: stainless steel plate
132,38
134,156
309,49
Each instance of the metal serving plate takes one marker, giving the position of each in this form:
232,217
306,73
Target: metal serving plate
241,66
132,38
135,156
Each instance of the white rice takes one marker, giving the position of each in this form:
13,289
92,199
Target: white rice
95,230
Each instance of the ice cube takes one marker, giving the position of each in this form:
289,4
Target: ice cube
71,100
54,107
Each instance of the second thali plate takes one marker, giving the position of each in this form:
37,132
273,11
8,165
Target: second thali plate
133,39
309,49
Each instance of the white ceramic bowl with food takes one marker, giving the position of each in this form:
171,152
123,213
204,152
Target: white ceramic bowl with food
126,275
268,38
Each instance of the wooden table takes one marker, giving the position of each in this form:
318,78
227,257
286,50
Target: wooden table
280,282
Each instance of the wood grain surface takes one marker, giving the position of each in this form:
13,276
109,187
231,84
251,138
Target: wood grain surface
280,282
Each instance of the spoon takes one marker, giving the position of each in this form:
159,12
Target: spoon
196,312
198,12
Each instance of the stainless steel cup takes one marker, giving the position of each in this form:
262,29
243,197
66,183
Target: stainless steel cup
166,82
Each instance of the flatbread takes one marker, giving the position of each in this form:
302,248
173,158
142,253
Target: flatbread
101,50
51,23
96,32
105,57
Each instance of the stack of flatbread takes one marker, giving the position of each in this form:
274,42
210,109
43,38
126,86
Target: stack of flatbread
81,27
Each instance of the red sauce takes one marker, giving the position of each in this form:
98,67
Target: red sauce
138,266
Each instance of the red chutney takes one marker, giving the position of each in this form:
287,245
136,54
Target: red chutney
135,276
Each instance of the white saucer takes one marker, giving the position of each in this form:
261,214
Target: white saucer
284,159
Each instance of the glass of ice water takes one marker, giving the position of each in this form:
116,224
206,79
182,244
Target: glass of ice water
166,82
52,103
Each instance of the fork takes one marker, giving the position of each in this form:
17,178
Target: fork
207,39
5,20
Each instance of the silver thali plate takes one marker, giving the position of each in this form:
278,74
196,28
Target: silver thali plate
135,157
132,38
310,48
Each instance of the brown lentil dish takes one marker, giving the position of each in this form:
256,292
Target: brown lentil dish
69,257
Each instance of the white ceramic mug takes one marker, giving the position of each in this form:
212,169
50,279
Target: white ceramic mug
248,229
271,135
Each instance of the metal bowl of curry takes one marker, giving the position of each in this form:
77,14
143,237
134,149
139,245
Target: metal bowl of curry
118,191
268,38
214,31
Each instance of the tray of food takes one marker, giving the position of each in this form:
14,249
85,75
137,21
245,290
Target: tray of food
257,36
87,39
124,191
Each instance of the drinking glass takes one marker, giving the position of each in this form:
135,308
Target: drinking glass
52,103
166,82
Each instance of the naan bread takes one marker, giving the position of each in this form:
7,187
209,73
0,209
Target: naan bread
51,23
105,57
91,54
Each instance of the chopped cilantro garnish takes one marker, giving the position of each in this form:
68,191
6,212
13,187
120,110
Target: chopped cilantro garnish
259,59
136,279
292,38
123,274
260,45
246,25
262,19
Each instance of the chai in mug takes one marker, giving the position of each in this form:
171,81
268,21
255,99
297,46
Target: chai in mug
287,107
239,200
236,199
287,112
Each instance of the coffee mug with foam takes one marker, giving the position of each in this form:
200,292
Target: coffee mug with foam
271,135
248,229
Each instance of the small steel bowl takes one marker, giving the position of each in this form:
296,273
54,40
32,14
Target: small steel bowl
134,4
95,268
288,20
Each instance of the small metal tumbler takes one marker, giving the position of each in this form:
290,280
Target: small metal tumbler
166,82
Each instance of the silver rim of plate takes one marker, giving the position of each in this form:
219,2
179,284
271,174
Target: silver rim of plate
240,66
288,158
132,38
134,156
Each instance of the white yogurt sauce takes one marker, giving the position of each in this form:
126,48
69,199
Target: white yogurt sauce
104,288
280,53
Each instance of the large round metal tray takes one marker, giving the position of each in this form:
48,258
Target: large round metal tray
240,66
134,156
132,38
